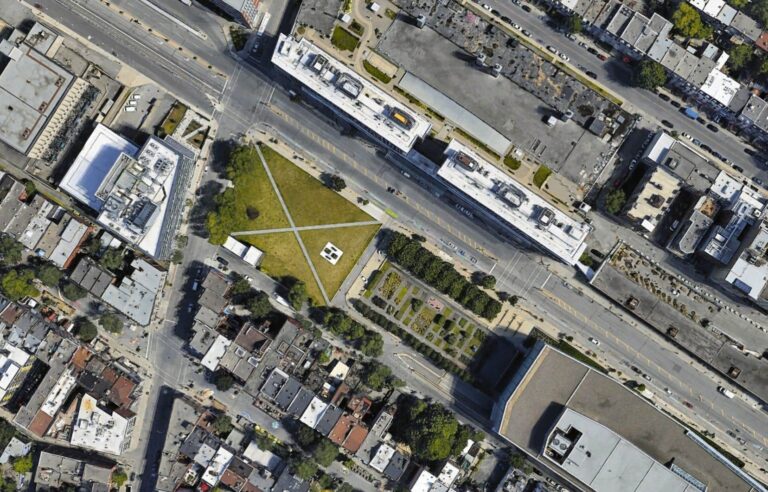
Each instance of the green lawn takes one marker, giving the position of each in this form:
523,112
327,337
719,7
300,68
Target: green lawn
542,173
303,194
351,240
375,72
283,256
343,39
175,115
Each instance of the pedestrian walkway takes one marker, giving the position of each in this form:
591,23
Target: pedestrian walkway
305,228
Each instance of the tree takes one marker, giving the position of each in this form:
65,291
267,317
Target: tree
649,75
431,431
259,305
72,291
240,285
86,330
488,281
640,388
112,259
371,343
224,381
297,294
376,375
304,469
10,250
416,304
304,435
222,424
111,322
336,183
325,452
740,57
17,284
23,464
574,24
615,201
687,21
119,477
759,10
49,274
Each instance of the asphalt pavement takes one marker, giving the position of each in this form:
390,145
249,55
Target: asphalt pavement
616,76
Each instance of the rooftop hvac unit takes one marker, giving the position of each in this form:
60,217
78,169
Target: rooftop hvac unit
496,71
480,59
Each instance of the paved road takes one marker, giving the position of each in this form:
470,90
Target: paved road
615,75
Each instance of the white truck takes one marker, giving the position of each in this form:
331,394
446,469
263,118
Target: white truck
726,392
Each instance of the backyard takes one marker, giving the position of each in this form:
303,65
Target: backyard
252,205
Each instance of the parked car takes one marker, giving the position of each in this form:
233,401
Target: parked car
706,147
712,128
757,180
552,49
516,26
696,142
222,261
593,51
591,74
667,124
526,33
602,57
737,168
725,392
674,103
594,341
663,96
564,57
701,120
526,8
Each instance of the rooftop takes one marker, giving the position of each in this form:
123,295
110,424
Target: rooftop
138,193
135,296
514,204
653,198
98,429
756,111
211,358
32,85
314,412
604,460
549,382
720,87
749,273
351,94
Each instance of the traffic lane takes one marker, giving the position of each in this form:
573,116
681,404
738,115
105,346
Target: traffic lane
210,26
615,76
148,55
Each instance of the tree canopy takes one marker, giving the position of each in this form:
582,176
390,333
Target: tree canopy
340,324
86,330
17,284
574,24
224,381
759,10
112,259
10,251
687,21
297,294
740,57
325,452
431,431
304,469
615,201
111,322
72,291
336,183
222,424
376,375
23,464
119,477
49,274
650,74
259,305
440,274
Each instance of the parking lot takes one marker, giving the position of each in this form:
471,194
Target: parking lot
443,56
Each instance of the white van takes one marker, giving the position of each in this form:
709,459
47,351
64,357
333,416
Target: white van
726,392
129,109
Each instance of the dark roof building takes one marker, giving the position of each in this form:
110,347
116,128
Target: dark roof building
328,420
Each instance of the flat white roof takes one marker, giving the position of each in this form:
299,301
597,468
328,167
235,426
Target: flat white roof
603,460
720,87
215,353
382,457
93,163
219,463
351,94
98,430
516,205
423,482
59,393
248,254
748,276
314,412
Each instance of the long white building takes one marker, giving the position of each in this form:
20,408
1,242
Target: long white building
362,103
512,204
